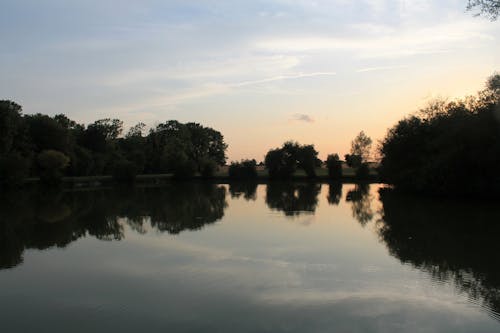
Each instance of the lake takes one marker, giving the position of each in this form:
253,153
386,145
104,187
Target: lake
277,257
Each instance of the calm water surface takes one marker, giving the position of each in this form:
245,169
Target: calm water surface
245,258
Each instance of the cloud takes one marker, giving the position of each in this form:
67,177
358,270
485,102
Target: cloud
283,77
303,117
380,68
386,43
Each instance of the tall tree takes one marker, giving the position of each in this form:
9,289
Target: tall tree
361,146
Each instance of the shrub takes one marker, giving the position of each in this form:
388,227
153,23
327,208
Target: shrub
52,164
245,169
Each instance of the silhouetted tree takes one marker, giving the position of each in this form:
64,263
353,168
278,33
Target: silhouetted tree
354,161
488,8
14,168
452,148
361,146
245,169
52,164
334,166
282,162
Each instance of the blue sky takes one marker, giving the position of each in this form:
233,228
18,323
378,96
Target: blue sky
261,72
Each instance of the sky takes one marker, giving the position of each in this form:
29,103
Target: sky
261,72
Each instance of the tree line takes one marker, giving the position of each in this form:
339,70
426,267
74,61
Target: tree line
446,148
51,147
48,147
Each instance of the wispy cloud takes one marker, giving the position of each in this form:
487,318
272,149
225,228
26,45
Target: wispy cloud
303,117
386,44
380,68
283,77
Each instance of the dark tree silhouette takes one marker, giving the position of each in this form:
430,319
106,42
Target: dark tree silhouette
334,166
282,162
488,8
451,148
245,169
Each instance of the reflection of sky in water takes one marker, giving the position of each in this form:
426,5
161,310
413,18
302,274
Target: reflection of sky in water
255,270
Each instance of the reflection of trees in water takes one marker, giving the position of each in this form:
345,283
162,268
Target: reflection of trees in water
246,189
361,201
292,198
31,219
334,193
452,241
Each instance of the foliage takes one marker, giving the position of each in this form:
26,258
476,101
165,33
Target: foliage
99,148
52,164
334,166
488,8
208,168
245,169
363,172
282,162
14,169
454,149
10,125
361,146
354,161
125,172
194,142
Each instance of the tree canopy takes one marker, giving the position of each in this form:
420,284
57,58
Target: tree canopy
31,144
448,148
282,162
488,8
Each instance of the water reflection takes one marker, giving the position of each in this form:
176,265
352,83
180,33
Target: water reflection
246,189
293,199
456,242
42,220
361,203
334,193
453,242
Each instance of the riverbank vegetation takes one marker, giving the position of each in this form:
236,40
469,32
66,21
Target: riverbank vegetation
449,147
56,149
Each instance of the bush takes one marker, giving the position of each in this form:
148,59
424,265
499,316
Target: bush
14,169
354,161
124,172
334,166
246,169
52,164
